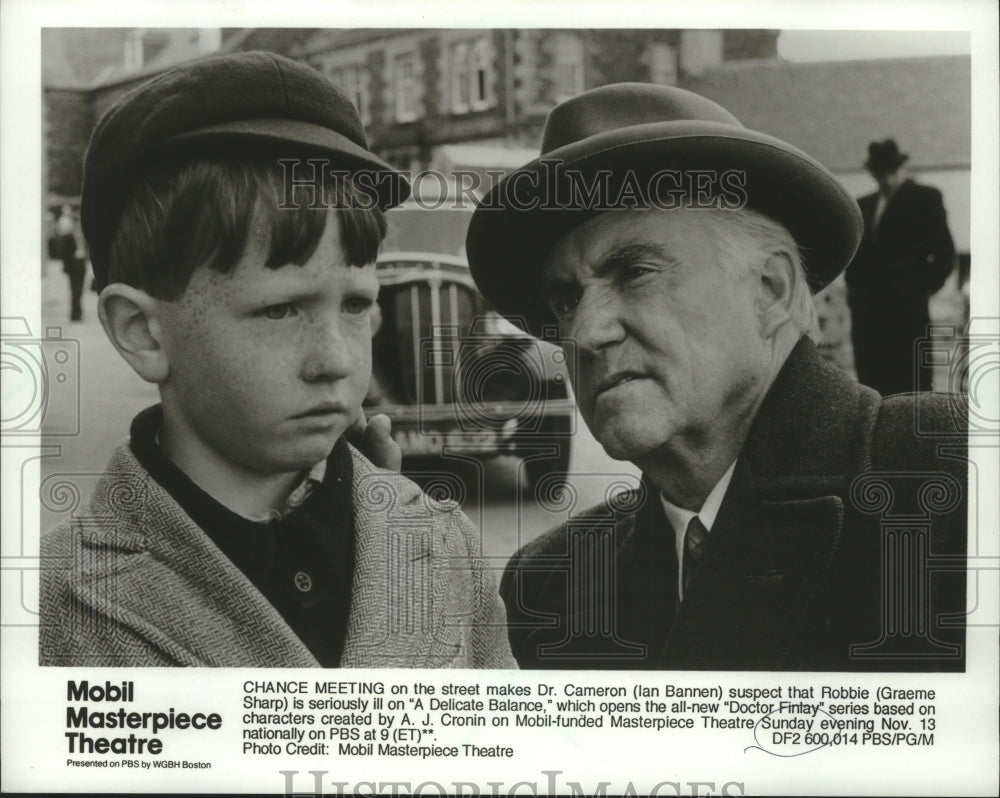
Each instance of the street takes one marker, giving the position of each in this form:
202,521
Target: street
111,394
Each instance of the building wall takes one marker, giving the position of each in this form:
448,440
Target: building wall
67,124
528,72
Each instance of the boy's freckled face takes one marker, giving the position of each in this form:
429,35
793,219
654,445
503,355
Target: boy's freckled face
268,367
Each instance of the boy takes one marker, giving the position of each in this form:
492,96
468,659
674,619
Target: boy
233,213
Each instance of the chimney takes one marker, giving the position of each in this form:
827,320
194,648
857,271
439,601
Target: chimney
700,50
209,40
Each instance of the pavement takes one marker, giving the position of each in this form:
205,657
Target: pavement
89,413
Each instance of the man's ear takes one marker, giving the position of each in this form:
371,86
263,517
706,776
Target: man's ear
130,319
778,278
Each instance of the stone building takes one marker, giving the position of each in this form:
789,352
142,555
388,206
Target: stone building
476,99
420,90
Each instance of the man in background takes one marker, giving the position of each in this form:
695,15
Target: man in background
905,256
69,249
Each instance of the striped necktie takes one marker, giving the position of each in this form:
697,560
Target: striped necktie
694,545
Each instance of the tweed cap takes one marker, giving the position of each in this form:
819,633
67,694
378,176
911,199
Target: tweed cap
251,95
633,145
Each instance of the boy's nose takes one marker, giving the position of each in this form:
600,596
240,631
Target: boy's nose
330,354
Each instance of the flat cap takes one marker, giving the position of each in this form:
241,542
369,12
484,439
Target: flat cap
251,95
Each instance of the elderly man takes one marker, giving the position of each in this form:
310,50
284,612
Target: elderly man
788,517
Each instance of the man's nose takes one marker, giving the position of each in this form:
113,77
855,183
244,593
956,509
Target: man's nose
329,352
597,321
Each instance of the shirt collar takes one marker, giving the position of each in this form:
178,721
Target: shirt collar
680,517
304,489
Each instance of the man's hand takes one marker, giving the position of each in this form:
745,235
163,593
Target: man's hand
373,437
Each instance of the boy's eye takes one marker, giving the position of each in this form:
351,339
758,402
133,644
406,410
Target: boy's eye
358,304
277,312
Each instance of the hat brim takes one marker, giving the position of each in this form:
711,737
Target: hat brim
895,163
508,241
391,186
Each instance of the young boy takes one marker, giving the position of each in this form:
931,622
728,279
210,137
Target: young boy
233,213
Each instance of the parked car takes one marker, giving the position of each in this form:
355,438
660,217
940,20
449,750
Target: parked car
456,378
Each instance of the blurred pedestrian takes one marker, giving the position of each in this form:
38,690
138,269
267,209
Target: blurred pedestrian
905,256
69,250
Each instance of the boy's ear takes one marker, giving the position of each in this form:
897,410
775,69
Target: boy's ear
130,319
777,282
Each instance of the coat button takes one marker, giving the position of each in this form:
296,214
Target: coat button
303,581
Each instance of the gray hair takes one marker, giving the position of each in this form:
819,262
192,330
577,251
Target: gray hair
747,235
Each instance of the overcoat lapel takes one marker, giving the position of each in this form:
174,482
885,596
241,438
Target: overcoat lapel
613,576
760,572
147,566
397,606
779,527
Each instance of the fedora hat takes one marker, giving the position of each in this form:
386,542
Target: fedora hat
251,96
631,145
884,156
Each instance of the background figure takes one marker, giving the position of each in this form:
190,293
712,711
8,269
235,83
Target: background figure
906,255
69,250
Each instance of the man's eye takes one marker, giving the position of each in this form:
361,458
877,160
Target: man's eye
562,303
358,304
634,272
278,312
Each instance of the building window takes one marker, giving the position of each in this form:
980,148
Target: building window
471,72
460,77
567,65
406,87
663,64
142,46
352,79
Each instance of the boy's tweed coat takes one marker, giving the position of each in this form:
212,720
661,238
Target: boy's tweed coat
834,495
136,583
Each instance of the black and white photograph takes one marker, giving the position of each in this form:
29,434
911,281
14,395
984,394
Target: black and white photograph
605,404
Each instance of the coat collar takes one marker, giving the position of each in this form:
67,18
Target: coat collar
151,569
780,524
402,542
813,429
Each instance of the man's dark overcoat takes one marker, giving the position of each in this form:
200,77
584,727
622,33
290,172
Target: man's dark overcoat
844,526
901,261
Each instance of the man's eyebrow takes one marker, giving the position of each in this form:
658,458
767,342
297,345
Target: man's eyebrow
550,283
627,254
618,258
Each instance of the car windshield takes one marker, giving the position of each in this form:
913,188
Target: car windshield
413,228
